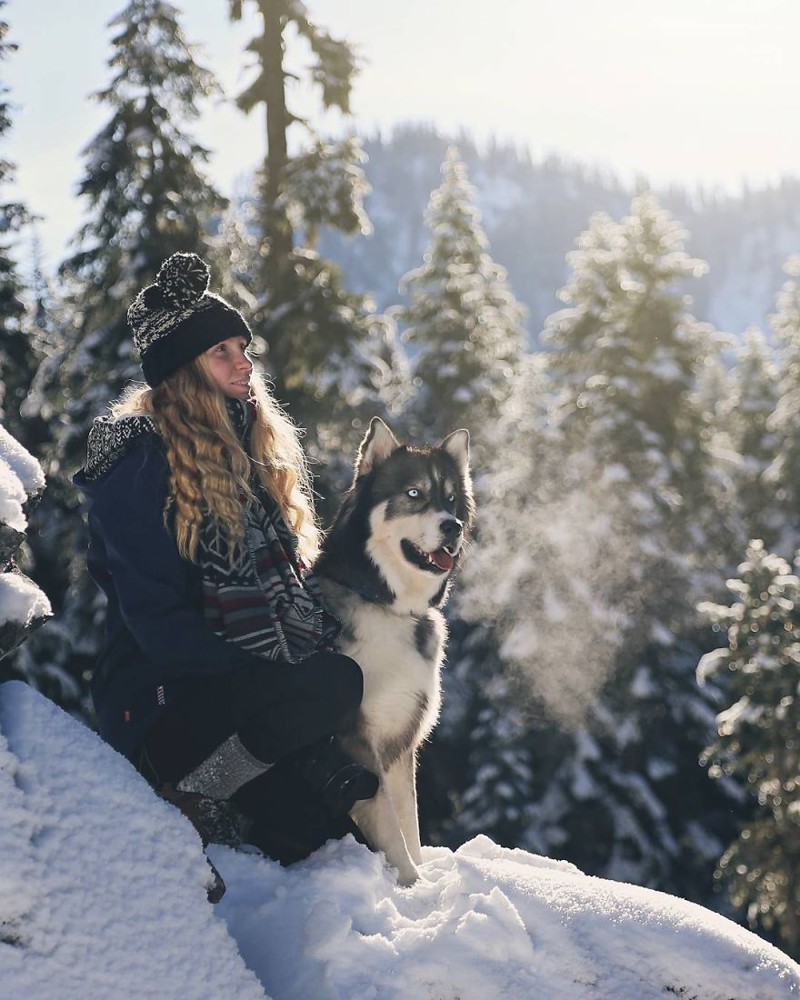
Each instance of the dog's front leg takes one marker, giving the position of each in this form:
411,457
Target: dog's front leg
378,821
401,780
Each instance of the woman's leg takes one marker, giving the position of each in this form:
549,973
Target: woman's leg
280,708
221,740
274,709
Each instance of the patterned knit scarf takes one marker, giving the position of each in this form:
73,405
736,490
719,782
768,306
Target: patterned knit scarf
256,593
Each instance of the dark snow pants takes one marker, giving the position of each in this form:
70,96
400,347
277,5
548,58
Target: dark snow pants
277,710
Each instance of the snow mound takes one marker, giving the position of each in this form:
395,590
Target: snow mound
488,923
102,894
102,885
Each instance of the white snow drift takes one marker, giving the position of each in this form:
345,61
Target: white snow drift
102,895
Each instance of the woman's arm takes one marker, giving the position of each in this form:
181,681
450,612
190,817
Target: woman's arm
157,590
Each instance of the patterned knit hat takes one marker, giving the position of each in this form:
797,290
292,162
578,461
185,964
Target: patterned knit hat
177,318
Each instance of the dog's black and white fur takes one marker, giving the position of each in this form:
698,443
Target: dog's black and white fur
385,569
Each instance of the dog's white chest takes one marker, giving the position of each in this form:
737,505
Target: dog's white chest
394,665
400,657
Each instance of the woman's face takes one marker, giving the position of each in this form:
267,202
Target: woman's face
230,367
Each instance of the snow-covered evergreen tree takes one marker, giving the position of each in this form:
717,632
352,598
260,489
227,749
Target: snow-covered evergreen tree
465,336
500,760
595,547
23,606
146,198
332,361
17,354
759,737
784,473
626,355
462,322
631,354
748,419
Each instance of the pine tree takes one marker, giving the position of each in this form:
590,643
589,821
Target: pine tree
752,438
330,359
17,354
784,473
464,331
632,353
146,198
498,798
462,322
758,738
599,540
627,354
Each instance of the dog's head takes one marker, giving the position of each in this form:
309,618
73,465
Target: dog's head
419,507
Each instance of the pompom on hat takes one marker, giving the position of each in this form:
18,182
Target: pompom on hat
176,319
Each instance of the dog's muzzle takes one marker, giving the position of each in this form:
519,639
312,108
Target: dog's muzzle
451,530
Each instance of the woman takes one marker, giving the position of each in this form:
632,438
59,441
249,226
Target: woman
218,677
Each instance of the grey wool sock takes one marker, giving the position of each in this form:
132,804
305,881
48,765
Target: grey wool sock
224,772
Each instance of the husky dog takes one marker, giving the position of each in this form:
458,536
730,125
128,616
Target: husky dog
385,568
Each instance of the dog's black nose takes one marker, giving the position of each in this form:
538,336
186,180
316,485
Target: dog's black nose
451,529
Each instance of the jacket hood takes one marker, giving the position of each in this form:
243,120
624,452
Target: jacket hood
110,439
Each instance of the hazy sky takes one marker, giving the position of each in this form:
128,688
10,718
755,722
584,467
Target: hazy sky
693,91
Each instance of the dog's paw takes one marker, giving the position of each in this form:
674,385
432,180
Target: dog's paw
408,876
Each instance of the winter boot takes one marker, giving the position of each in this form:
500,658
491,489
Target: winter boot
340,781
216,823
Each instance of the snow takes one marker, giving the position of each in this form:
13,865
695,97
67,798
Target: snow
12,497
20,477
112,900
102,887
21,463
21,600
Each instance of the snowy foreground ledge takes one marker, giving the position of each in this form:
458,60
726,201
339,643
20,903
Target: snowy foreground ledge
102,897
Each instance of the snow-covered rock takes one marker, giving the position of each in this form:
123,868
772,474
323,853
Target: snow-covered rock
23,606
21,600
21,463
102,894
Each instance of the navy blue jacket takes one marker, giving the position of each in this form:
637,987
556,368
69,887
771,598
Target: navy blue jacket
156,639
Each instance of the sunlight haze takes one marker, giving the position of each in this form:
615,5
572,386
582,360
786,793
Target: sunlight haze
697,92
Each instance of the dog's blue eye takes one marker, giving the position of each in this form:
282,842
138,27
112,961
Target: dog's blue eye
412,493
451,498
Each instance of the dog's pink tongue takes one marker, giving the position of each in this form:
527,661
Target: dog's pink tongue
442,559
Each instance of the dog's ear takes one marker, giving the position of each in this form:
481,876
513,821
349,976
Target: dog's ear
377,446
457,446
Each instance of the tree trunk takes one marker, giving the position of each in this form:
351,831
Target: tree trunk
279,231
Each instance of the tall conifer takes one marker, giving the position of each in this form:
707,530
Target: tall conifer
462,322
465,339
749,423
784,473
146,198
758,738
329,358
606,553
17,354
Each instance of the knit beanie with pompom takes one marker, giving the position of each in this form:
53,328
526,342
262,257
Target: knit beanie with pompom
177,318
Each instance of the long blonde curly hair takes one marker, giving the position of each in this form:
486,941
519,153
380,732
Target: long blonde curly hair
209,468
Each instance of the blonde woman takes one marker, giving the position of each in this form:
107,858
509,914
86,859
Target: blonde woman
218,660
